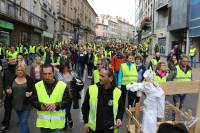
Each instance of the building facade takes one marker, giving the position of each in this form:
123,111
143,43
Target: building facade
125,30
48,12
146,15
110,28
194,25
101,28
18,24
76,21
166,22
161,17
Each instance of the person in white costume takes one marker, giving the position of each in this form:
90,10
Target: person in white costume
154,102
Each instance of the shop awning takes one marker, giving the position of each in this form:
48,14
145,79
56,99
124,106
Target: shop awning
47,34
6,25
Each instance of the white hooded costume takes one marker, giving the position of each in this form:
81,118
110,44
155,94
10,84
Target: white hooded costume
154,102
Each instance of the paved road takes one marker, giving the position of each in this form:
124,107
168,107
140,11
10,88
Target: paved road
77,117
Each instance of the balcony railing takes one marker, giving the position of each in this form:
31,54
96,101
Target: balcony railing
16,12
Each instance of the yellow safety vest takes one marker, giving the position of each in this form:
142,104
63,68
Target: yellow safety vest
129,76
96,76
13,55
107,54
38,49
20,49
181,75
25,51
158,79
56,61
32,49
192,51
93,92
44,56
50,119
7,53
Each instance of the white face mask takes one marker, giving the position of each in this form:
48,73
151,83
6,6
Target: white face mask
148,75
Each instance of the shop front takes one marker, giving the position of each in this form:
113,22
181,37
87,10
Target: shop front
47,37
5,31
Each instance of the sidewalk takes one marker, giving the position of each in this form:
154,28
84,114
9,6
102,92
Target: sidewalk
196,73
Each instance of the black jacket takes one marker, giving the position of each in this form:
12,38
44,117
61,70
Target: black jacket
104,108
8,76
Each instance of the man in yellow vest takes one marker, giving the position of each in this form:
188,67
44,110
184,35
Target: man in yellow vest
32,52
103,106
50,97
192,54
13,53
95,75
182,73
128,75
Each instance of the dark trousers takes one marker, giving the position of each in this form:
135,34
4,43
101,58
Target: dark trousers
8,110
132,97
68,115
179,99
90,69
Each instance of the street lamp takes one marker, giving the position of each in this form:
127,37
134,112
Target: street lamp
76,31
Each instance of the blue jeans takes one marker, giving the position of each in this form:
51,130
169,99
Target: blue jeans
23,120
192,61
80,69
47,130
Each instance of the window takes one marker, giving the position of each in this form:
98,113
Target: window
170,15
162,44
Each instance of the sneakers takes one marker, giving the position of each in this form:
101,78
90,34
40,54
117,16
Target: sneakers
71,124
3,129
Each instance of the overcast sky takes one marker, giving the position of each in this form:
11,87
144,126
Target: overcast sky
121,8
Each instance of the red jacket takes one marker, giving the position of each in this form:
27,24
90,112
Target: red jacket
116,63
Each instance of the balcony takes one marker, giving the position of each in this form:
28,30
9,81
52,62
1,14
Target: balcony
64,17
17,13
162,5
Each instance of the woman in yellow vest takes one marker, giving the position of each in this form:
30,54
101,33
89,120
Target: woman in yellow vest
103,108
161,73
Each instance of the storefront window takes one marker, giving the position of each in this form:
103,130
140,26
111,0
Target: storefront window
4,38
162,45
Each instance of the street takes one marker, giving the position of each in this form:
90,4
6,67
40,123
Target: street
76,116
190,103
